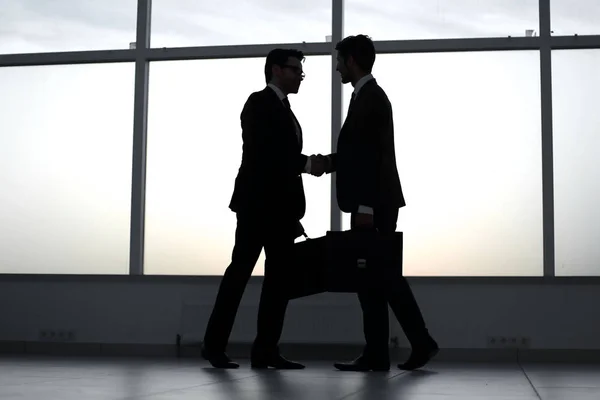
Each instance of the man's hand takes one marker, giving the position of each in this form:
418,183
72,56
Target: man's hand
318,164
328,163
364,221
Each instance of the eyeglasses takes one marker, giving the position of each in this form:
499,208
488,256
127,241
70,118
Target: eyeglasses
296,70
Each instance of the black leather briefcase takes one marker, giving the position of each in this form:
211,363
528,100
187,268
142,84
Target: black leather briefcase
306,270
343,262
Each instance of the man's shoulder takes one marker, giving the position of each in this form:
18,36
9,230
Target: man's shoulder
375,95
258,100
259,95
374,88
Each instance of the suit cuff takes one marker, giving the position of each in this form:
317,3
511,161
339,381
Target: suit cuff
365,210
307,166
329,163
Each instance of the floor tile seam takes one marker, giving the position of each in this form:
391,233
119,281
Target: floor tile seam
568,387
362,390
184,388
43,381
528,378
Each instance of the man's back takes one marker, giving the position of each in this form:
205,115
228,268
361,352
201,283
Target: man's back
366,160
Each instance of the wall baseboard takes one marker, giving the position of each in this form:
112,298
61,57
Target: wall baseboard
300,351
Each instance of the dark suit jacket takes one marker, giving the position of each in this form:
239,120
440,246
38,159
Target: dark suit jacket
269,179
365,161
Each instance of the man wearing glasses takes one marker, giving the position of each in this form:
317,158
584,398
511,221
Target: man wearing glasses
269,202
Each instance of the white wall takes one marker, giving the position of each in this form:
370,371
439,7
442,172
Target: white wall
555,314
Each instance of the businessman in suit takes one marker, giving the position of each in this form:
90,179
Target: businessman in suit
368,187
269,202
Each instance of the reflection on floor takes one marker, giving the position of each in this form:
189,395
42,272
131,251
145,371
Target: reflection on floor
77,378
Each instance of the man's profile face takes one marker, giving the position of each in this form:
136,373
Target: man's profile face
342,68
291,75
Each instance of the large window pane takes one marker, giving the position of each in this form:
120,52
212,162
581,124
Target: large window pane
177,23
576,95
468,147
32,26
194,152
65,169
435,19
575,17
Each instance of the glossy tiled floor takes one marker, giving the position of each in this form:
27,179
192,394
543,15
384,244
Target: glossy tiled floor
60,378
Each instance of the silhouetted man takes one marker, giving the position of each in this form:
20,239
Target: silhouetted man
269,201
368,187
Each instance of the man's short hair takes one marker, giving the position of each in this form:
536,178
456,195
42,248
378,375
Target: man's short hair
280,57
361,48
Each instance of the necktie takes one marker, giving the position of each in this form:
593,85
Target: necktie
351,102
287,103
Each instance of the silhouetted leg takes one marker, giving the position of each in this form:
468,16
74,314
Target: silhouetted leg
397,290
375,323
248,245
374,305
376,329
406,310
273,301
404,306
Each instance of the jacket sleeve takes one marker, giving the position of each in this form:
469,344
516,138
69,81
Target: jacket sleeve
265,145
332,167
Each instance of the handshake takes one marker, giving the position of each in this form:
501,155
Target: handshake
319,164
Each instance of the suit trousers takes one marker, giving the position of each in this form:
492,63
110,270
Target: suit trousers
251,235
397,293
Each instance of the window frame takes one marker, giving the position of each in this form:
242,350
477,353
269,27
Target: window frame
142,54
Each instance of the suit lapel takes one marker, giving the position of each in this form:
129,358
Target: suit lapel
356,103
299,127
288,112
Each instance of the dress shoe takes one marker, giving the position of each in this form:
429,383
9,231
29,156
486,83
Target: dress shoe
218,359
364,364
277,361
420,356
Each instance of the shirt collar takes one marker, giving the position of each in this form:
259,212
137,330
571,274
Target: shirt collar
361,82
277,91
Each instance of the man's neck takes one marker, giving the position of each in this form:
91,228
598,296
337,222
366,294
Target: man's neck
279,87
358,78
